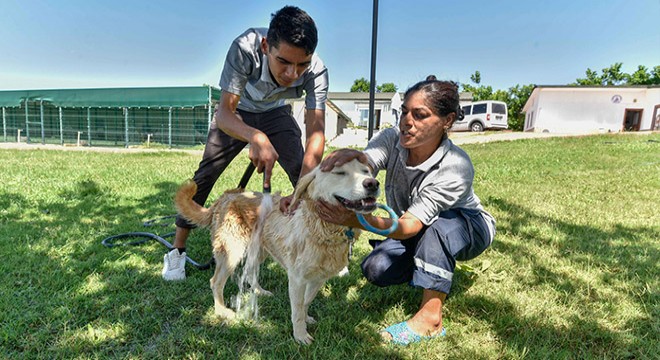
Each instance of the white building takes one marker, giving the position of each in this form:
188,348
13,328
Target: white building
343,108
353,107
387,107
335,120
589,109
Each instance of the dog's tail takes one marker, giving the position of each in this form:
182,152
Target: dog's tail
189,209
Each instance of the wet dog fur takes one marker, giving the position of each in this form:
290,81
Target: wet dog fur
310,250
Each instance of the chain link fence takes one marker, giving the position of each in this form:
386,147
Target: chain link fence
39,122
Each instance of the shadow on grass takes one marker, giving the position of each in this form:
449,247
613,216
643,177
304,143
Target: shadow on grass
620,255
74,296
71,293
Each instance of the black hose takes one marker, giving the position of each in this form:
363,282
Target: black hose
146,236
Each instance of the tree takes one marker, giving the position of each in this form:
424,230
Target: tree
591,79
360,85
387,88
518,96
643,77
614,76
479,92
476,77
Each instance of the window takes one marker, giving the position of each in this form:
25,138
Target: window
499,108
467,109
364,117
479,109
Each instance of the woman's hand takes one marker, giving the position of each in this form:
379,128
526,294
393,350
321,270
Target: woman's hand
336,214
341,157
286,205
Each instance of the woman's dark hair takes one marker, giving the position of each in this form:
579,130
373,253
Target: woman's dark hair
441,96
293,26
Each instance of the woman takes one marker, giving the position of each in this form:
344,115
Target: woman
429,184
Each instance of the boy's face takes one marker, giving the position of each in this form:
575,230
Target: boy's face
286,62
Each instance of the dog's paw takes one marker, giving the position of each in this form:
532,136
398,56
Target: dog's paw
310,320
305,338
225,313
261,291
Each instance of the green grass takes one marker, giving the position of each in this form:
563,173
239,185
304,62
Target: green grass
573,272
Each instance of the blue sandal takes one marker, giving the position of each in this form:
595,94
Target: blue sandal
402,334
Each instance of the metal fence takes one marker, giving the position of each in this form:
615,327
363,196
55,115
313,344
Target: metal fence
41,122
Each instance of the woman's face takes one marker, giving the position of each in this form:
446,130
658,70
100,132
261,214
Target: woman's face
421,129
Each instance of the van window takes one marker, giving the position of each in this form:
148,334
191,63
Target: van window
467,109
479,109
499,108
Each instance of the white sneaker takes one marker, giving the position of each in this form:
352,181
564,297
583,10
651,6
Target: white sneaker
174,266
343,272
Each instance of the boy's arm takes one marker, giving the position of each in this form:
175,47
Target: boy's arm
262,153
315,143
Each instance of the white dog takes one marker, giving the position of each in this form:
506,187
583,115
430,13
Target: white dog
311,250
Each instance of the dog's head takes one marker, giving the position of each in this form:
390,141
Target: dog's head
351,185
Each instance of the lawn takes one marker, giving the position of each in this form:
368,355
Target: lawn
573,272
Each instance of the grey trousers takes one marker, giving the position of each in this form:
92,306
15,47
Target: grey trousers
282,131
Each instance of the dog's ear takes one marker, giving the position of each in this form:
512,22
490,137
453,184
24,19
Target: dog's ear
303,184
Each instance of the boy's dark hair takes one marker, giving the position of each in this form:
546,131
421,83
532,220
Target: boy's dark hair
441,96
293,26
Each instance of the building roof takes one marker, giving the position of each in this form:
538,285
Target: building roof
115,97
387,96
597,86
360,96
336,109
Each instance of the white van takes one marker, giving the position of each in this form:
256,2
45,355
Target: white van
482,115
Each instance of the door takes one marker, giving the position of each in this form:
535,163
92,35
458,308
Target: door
462,125
376,119
632,120
655,122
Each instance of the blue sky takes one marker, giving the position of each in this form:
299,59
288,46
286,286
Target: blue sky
77,44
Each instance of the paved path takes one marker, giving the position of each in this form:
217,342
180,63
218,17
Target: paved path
457,137
359,138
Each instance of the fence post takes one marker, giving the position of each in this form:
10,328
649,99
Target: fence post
169,128
61,128
27,122
89,127
210,110
41,118
126,125
4,124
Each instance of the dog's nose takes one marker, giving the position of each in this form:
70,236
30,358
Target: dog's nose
370,184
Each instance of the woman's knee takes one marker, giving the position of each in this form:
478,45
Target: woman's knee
373,268
379,270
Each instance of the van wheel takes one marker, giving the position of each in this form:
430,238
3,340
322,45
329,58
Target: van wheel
476,127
